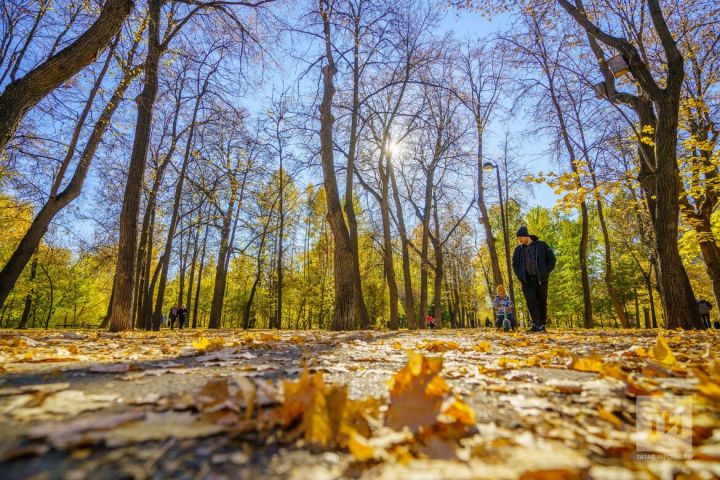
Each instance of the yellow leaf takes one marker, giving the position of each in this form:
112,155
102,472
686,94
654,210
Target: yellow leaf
709,386
360,447
461,412
316,422
662,351
417,394
589,364
482,346
438,346
201,344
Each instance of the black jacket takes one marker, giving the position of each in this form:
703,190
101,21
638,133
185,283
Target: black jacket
545,257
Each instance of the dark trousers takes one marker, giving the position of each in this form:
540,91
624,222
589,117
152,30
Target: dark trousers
535,293
172,321
705,317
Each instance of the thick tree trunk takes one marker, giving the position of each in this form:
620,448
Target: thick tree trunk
22,94
344,265
677,296
127,246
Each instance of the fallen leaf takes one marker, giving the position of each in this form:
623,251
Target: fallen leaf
662,351
416,394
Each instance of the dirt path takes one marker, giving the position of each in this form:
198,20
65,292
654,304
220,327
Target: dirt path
211,405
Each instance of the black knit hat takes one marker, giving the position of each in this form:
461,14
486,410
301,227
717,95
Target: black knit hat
522,232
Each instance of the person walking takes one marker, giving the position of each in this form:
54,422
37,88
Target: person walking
704,307
173,315
532,261
182,316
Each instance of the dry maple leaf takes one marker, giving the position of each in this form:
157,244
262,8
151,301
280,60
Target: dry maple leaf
417,393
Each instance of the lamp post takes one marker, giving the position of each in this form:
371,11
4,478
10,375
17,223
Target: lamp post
488,166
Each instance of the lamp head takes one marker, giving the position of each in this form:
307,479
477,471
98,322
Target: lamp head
488,167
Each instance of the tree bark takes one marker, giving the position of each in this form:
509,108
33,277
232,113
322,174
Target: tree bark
121,318
409,300
22,94
484,217
388,263
345,286
157,316
30,295
200,272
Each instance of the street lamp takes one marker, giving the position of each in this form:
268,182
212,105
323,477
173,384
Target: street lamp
487,167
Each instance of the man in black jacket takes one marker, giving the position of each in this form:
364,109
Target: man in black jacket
533,260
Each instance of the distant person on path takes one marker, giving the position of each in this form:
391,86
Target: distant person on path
488,323
430,321
173,315
704,307
533,260
182,316
504,310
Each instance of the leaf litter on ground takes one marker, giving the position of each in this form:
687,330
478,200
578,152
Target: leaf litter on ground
465,402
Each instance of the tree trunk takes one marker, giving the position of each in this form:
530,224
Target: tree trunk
344,265
30,295
359,307
157,316
191,275
121,318
281,232
711,256
484,217
218,298
609,281
200,272
388,263
439,269
21,95
582,250
106,320
409,301
677,296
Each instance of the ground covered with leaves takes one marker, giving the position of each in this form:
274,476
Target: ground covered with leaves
372,405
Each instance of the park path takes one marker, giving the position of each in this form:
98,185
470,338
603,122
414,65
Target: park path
219,404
